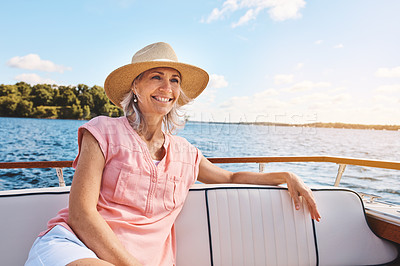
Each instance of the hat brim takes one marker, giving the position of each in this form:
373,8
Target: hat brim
118,83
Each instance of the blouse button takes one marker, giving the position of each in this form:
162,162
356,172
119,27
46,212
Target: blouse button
154,180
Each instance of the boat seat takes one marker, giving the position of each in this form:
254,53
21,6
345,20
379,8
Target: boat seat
258,225
227,225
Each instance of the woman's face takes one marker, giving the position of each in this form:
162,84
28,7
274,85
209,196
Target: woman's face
157,90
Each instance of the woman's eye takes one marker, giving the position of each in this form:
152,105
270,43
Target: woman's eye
156,77
175,80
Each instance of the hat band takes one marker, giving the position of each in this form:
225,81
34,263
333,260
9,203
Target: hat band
162,60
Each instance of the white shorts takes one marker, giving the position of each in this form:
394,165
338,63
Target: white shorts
59,246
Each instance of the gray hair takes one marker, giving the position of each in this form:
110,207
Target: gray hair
171,121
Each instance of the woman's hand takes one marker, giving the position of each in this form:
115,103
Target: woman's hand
211,174
298,189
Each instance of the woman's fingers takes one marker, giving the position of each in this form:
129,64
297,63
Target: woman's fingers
314,209
312,206
295,196
298,189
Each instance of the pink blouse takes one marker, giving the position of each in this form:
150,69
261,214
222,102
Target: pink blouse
138,199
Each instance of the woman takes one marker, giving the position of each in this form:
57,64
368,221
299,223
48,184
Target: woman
132,178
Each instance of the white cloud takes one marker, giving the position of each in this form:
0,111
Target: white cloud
34,62
251,14
385,100
217,81
285,9
307,85
339,98
227,6
278,10
259,103
318,42
208,95
388,72
34,79
338,46
334,104
299,66
321,100
274,107
283,79
388,88
266,94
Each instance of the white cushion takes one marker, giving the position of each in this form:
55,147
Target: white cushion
226,225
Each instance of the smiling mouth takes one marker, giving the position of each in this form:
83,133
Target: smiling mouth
162,99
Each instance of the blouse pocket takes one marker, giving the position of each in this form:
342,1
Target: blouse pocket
130,188
172,192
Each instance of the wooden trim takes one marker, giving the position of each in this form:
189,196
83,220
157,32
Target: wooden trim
384,229
38,164
329,159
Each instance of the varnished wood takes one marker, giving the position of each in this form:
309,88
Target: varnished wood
384,229
38,164
329,159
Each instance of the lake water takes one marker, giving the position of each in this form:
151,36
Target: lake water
27,139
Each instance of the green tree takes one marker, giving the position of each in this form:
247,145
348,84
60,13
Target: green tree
42,94
24,108
70,112
86,112
115,111
8,90
100,101
52,101
46,112
82,88
77,111
8,105
24,88
86,99
66,96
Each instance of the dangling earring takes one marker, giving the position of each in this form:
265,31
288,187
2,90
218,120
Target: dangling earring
134,98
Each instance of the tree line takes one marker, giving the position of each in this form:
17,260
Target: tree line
53,101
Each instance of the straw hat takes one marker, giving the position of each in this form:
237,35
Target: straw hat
119,82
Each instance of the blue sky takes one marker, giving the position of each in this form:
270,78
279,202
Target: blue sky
289,61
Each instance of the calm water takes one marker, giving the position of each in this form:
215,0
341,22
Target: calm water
26,139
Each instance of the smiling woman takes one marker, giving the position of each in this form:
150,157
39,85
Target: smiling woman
132,175
163,84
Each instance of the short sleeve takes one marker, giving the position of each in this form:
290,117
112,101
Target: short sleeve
94,126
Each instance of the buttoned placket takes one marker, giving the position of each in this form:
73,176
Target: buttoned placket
153,174
153,167
153,178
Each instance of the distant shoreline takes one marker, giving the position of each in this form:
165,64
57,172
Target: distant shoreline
317,124
313,125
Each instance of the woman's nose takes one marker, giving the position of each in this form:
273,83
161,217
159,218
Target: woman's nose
166,86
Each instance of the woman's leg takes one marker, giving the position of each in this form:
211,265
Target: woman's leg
89,261
60,246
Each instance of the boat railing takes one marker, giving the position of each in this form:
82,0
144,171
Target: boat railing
261,161
341,161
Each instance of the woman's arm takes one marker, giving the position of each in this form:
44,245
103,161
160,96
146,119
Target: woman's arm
84,219
210,173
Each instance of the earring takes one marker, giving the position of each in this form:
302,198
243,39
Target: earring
134,98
